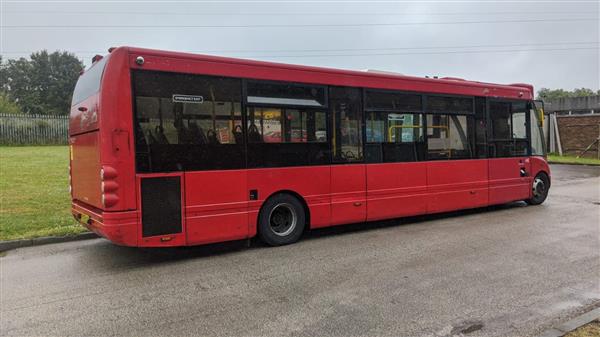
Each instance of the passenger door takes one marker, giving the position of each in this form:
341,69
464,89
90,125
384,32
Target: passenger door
394,150
348,172
509,164
455,178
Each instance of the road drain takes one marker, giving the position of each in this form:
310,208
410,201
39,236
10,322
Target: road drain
467,328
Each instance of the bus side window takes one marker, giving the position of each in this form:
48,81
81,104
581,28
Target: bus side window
450,127
509,129
346,107
187,122
394,137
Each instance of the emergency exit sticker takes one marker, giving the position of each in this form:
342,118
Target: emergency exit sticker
187,99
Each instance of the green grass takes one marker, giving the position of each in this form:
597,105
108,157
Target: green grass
34,193
589,330
556,159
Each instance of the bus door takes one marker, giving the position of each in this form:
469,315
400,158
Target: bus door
456,178
509,164
348,172
396,174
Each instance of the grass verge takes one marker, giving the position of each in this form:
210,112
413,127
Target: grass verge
34,193
591,329
556,159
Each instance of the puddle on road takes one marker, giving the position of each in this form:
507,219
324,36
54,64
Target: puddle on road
462,329
466,328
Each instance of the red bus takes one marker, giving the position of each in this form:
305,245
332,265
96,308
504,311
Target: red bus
174,149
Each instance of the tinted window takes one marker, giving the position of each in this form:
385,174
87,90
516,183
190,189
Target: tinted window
448,137
89,83
277,125
187,122
286,137
394,137
393,101
285,94
346,118
509,129
450,105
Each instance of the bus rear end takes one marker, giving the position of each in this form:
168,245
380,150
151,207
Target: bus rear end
101,164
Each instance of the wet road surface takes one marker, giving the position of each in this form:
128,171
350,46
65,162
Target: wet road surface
513,270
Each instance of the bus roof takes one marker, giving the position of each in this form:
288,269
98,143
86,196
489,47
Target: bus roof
344,77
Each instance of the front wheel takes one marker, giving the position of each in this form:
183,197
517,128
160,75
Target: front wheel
281,220
539,189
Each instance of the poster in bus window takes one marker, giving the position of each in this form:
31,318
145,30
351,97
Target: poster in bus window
224,135
271,126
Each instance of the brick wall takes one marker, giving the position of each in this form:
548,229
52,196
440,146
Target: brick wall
577,132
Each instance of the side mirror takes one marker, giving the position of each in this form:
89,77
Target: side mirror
539,107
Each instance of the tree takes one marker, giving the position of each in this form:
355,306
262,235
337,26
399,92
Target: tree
583,92
548,94
7,106
43,84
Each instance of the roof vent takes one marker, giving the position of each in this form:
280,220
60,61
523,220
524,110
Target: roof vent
453,78
383,72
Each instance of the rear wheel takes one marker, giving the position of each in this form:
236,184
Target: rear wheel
281,220
539,189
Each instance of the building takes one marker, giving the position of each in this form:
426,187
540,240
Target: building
573,126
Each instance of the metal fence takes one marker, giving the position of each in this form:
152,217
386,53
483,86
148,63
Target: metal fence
33,129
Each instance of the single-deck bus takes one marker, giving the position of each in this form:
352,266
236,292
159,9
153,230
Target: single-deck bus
174,149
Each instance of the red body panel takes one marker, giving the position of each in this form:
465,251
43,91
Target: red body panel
457,184
311,183
348,194
505,181
223,66
539,164
396,189
84,116
85,164
119,227
216,205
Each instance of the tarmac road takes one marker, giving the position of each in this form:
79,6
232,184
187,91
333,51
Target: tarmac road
508,271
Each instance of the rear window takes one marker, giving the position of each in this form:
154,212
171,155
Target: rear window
89,83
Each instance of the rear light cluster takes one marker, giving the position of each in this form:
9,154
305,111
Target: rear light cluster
109,186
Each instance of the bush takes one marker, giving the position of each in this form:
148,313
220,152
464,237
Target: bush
7,106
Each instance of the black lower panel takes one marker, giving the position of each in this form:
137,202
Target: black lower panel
161,206
287,154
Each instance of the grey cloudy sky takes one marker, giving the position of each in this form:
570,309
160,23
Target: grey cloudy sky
546,43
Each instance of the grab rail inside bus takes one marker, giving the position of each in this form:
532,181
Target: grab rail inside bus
391,128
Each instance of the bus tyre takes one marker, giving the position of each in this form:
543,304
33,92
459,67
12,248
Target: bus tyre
281,220
539,189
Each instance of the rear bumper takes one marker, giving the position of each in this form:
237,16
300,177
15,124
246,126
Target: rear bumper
118,227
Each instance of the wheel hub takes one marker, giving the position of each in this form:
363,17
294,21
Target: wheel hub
539,187
283,219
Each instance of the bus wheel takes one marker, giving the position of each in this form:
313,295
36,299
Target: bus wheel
539,187
281,220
